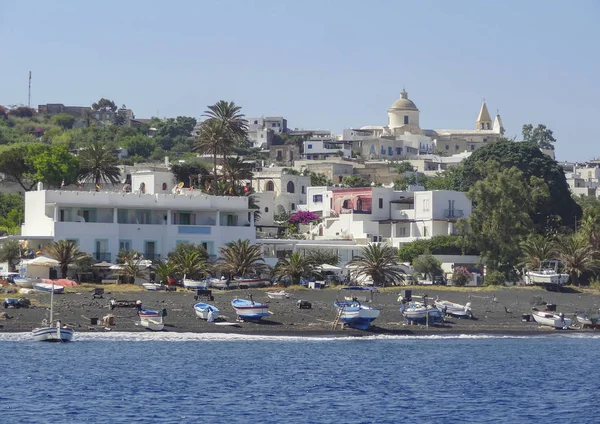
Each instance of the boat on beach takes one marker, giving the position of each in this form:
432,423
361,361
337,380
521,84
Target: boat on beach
203,310
282,294
547,276
24,282
48,287
152,319
51,332
418,312
454,309
551,319
248,309
153,286
354,313
193,284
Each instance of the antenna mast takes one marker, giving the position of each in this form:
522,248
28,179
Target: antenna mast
29,95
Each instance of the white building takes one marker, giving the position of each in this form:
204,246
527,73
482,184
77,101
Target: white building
323,149
380,214
583,179
151,220
290,190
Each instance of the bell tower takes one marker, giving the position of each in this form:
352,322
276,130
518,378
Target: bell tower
484,122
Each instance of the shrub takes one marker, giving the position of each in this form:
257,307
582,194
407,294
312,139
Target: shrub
494,278
303,217
461,276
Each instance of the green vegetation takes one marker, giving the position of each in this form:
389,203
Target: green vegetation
66,253
295,266
355,181
241,259
438,245
379,262
428,265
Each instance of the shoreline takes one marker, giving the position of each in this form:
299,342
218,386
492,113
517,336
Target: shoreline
497,312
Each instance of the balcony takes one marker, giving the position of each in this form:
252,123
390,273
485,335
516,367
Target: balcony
151,256
101,256
453,213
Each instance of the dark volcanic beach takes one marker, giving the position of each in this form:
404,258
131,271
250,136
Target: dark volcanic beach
496,311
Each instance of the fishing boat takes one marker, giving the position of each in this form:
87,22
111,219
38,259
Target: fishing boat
203,311
52,332
454,309
24,282
150,313
193,284
153,286
248,309
551,319
48,287
354,313
417,312
547,276
152,319
281,294
585,321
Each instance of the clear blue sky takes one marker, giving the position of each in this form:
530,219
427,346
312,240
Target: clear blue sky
321,64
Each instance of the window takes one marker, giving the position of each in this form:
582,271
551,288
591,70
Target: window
293,206
402,231
262,136
279,154
164,186
398,150
74,241
266,210
290,187
184,218
255,122
405,119
124,244
273,124
309,146
380,203
318,198
447,147
424,231
472,147
303,190
270,186
456,147
425,204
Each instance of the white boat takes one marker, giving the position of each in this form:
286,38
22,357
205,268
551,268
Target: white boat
52,333
282,294
24,282
419,313
203,310
454,309
249,309
193,284
356,314
153,286
48,288
154,324
551,319
547,276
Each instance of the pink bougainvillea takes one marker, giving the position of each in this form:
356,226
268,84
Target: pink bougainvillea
303,217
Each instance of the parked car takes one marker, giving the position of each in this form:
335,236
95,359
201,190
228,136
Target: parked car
16,303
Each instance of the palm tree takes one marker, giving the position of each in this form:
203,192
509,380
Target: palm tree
590,228
320,257
240,258
234,170
379,262
191,263
230,116
131,270
164,270
535,250
66,253
295,266
99,164
576,255
212,139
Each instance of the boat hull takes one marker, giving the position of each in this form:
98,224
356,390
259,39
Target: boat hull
52,334
154,324
454,309
152,286
547,279
278,295
356,315
194,284
202,310
419,314
249,310
25,283
551,319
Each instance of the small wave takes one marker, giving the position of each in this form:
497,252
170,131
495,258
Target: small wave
222,337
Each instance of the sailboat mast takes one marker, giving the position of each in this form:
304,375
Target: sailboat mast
51,302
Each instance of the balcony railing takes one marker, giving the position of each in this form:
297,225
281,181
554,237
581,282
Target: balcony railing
151,256
453,213
101,256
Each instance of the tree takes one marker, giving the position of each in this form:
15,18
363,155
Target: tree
213,140
240,258
557,209
191,263
140,145
99,164
180,127
234,170
164,270
185,248
576,255
438,245
295,266
10,252
501,217
53,165
104,105
590,227
535,250
403,167
14,166
319,180
540,136
355,181
232,119
321,257
131,270
63,120
188,171
460,276
65,252
378,262
21,112
428,265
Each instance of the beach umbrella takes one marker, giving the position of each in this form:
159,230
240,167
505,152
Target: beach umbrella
41,261
327,267
102,264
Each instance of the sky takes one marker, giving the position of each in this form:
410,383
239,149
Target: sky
324,64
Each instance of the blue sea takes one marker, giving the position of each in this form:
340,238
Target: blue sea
193,378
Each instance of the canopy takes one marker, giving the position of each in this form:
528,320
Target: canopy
102,264
41,261
327,267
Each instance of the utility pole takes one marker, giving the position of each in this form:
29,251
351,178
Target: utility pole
29,95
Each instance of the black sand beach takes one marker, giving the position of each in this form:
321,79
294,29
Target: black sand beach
496,311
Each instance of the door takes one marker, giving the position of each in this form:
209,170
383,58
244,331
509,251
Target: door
150,249
101,253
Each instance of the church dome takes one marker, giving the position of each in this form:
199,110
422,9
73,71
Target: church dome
404,103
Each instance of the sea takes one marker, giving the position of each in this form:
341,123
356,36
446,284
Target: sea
220,378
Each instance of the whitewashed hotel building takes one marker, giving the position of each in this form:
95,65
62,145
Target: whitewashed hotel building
151,220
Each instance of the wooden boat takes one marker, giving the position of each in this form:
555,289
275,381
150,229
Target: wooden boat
48,287
204,309
354,313
282,294
551,319
52,333
417,312
248,309
454,309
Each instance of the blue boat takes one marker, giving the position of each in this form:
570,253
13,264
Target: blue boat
354,313
204,309
248,309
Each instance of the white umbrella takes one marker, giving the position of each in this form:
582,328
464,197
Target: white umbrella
102,264
327,267
41,261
